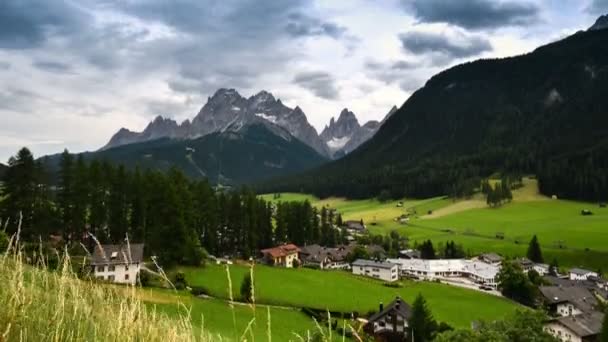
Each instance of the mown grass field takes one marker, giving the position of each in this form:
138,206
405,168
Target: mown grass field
341,291
583,239
218,318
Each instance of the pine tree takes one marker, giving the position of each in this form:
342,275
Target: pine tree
422,324
66,194
20,189
534,251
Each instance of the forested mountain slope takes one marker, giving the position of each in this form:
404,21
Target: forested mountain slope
545,112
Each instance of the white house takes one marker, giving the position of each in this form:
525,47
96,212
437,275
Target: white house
477,271
541,269
117,263
581,274
579,328
380,270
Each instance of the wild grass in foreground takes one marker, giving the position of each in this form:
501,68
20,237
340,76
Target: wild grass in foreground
43,305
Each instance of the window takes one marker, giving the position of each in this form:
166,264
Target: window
112,268
126,267
101,268
127,276
111,278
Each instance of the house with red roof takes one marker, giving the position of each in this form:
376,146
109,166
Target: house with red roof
283,255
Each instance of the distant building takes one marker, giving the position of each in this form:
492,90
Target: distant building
390,323
283,255
409,254
355,227
380,270
583,327
491,258
525,264
542,269
326,257
477,271
117,263
581,274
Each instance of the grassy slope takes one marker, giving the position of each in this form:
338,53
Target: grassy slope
219,319
475,225
341,291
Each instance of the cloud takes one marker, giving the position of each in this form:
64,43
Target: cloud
598,7
54,67
475,14
455,44
28,23
301,25
319,83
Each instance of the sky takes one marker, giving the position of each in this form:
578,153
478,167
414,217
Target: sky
73,72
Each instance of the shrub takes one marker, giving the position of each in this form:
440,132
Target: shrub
393,285
179,281
199,291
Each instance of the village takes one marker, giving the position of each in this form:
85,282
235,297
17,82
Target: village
573,300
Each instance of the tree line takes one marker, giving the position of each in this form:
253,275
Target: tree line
179,219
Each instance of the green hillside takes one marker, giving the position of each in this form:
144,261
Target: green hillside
542,113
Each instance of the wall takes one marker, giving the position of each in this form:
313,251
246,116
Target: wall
561,332
122,274
385,274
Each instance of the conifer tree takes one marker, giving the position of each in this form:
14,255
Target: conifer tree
422,324
534,251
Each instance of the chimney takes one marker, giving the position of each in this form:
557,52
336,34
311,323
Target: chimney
381,307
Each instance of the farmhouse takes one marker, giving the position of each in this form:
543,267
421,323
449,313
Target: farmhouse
117,263
390,323
326,257
568,301
283,255
380,270
477,271
584,327
581,274
355,227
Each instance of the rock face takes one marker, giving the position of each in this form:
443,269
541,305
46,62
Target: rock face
600,24
227,110
346,134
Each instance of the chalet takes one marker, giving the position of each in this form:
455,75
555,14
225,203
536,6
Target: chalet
390,323
581,274
283,255
380,270
117,263
525,264
491,258
326,257
568,301
583,327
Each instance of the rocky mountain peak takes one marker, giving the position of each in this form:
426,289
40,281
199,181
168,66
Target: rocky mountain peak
600,24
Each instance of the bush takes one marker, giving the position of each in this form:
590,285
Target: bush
295,263
179,281
312,266
143,278
393,285
199,291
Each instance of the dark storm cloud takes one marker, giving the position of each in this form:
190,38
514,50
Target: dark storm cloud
319,83
28,23
475,14
433,43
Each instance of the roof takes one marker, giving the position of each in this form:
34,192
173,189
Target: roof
317,253
397,306
281,251
580,271
355,225
477,268
492,257
371,263
585,325
524,262
580,297
118,254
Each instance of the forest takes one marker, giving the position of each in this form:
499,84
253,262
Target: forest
179,219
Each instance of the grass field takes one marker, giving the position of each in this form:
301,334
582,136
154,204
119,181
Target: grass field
216,317
584,239
343,292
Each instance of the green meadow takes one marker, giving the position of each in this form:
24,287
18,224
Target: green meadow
564,234
340,291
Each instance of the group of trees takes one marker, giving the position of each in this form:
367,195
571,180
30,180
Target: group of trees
391,243
513,283
499,193
175,217
449,250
